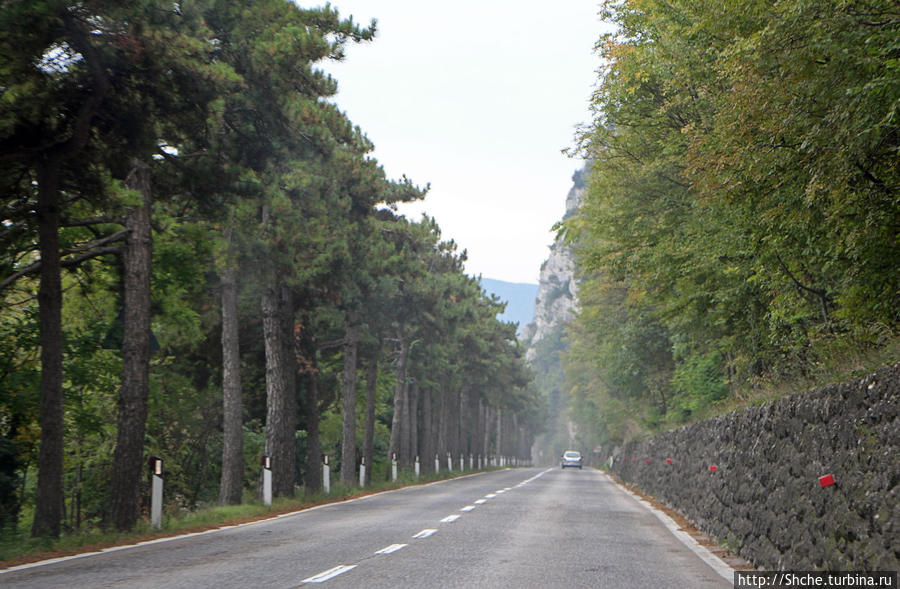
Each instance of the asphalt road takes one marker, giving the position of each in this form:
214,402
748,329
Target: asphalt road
512,528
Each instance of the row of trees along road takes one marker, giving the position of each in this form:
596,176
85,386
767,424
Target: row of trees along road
199,259
744,203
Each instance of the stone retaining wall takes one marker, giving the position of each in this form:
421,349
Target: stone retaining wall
764,499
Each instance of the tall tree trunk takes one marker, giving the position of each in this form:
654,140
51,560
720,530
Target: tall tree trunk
274,369
461,422
464,422
313,479
369,440
499,431
486,421
413,396
128,460
403,454
467,423
488,429
500,436
49,500
289,337
399,420
440,422
516,437
476,429
348,437
453,424
231,487
479,440
276,393
427,450
11,467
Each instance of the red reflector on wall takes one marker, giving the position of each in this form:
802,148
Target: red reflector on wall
826,481
713,468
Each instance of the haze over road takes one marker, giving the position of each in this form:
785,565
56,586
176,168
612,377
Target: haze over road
513,528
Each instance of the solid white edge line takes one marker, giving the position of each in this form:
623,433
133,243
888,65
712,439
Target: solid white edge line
118,548
57,560
717,564
329,574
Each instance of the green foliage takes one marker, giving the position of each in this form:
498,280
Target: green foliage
254,169
550,382
743,201
699,380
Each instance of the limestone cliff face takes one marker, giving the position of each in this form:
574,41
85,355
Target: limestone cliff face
555,304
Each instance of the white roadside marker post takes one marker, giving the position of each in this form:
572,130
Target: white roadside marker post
362,471
326,474
449,462
437,464
394,467
417,467
462,464
156,468
267,480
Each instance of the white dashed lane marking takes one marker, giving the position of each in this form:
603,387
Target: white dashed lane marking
391,548
329,574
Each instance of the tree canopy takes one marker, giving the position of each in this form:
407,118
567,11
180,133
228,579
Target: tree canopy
742,213
197,249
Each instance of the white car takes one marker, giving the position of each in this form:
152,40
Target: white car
571,458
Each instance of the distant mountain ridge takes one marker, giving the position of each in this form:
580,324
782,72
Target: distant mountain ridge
518,296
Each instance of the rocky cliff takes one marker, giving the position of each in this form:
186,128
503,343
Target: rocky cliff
555,303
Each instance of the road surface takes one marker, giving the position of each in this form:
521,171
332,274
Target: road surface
513,528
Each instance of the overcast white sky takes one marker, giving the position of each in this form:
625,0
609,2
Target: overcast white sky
478,98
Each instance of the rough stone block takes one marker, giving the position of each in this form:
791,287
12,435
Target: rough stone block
765,492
